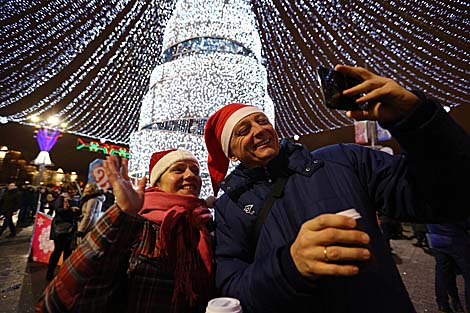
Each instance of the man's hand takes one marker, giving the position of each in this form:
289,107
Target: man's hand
325,241
210,201
129,200
201,216
388,101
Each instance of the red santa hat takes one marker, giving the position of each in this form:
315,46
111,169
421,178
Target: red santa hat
217,134
162,160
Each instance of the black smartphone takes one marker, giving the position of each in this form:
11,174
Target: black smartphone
332,84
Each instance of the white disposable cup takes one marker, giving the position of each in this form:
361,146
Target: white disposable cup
224,305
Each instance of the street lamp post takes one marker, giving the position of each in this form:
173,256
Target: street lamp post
47,135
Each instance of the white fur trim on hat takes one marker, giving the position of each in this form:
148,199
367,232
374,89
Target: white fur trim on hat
230,124
167,160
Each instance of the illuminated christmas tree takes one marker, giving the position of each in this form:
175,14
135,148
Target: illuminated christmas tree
211,56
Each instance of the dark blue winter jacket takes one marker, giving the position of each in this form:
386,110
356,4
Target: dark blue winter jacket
422,186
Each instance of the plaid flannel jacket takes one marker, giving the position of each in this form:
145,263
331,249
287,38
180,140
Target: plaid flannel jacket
115,269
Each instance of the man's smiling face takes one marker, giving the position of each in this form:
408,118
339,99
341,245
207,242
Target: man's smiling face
254,141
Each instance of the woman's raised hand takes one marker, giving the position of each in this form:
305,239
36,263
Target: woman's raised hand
127,198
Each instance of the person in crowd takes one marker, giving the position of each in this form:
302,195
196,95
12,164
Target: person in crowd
9,204
453,292
90,205
64,226
280,245
150,252
109,199
2,191
90,208
27,204
50,200
450,247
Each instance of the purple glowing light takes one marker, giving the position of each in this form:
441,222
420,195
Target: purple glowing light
47,138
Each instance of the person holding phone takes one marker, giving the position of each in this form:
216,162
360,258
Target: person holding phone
281,245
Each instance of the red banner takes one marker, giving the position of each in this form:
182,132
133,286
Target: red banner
41,245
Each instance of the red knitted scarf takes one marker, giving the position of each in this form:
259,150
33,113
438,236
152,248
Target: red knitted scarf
179,236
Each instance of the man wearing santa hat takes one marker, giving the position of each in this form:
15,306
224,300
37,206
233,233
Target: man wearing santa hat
281,245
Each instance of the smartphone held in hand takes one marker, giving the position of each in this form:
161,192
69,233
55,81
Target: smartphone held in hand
332,84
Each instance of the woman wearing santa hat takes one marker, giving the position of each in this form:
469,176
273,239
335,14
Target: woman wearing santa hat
283,242
150,252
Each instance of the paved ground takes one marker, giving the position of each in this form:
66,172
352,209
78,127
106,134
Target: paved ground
22,281
416,267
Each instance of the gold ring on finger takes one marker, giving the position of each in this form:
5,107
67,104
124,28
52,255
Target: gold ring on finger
325,254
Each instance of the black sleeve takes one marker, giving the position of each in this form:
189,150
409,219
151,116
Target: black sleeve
437,150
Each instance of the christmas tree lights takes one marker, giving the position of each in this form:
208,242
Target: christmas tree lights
211,57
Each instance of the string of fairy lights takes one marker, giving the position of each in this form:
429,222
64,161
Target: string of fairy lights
90,62
86,62
423,46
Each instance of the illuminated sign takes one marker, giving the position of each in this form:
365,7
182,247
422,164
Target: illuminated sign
104,148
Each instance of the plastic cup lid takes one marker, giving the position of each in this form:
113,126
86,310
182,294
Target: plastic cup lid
224,305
